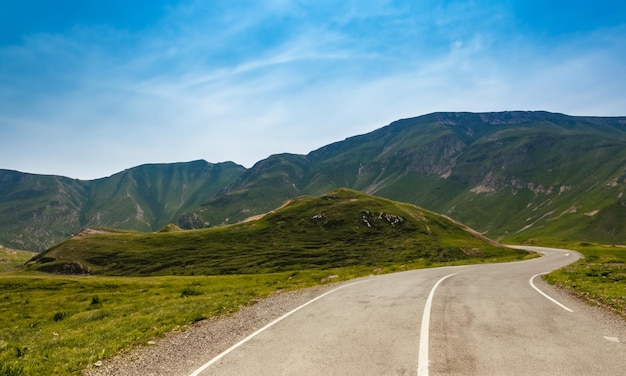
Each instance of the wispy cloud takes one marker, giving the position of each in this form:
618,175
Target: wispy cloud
241,80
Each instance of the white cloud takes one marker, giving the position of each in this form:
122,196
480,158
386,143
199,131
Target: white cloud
203,85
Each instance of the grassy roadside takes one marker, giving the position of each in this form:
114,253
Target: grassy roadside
143,285
63,324
599,278
59,325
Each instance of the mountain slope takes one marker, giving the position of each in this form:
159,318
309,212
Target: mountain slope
513,174
147,197
260,189
37,211
341,228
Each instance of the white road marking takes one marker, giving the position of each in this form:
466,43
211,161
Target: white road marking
235,346
422,362
546,295
612,339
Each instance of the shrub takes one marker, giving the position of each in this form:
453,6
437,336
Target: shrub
188,291
59,316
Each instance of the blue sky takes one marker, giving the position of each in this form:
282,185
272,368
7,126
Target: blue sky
90,88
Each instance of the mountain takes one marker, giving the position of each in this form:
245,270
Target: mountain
37,211
338,229
515,175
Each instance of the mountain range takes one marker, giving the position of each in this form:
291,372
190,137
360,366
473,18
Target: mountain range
520,176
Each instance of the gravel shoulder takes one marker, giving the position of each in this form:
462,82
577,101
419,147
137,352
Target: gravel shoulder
181,353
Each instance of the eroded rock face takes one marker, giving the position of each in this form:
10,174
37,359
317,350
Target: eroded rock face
435,158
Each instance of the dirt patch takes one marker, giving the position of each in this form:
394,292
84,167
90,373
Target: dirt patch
88,231
471,252
259,216
592,213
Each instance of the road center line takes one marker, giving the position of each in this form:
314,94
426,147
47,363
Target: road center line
422,361
546,295
236,345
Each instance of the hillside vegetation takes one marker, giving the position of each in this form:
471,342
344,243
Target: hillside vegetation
518,176
340,229
37,211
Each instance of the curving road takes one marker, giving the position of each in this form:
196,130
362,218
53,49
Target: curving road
497,319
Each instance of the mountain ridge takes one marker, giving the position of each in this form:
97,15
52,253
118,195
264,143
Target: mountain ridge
552,171
146,197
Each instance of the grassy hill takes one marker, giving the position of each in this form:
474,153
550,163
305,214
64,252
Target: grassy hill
340,229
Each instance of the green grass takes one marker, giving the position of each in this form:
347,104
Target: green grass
54,325
11,259
599,278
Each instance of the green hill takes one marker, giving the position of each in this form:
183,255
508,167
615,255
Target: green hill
342,228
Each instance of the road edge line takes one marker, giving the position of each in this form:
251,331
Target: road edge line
422,360
532,284
267,326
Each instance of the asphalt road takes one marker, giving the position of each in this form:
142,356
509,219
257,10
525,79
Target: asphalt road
497,319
